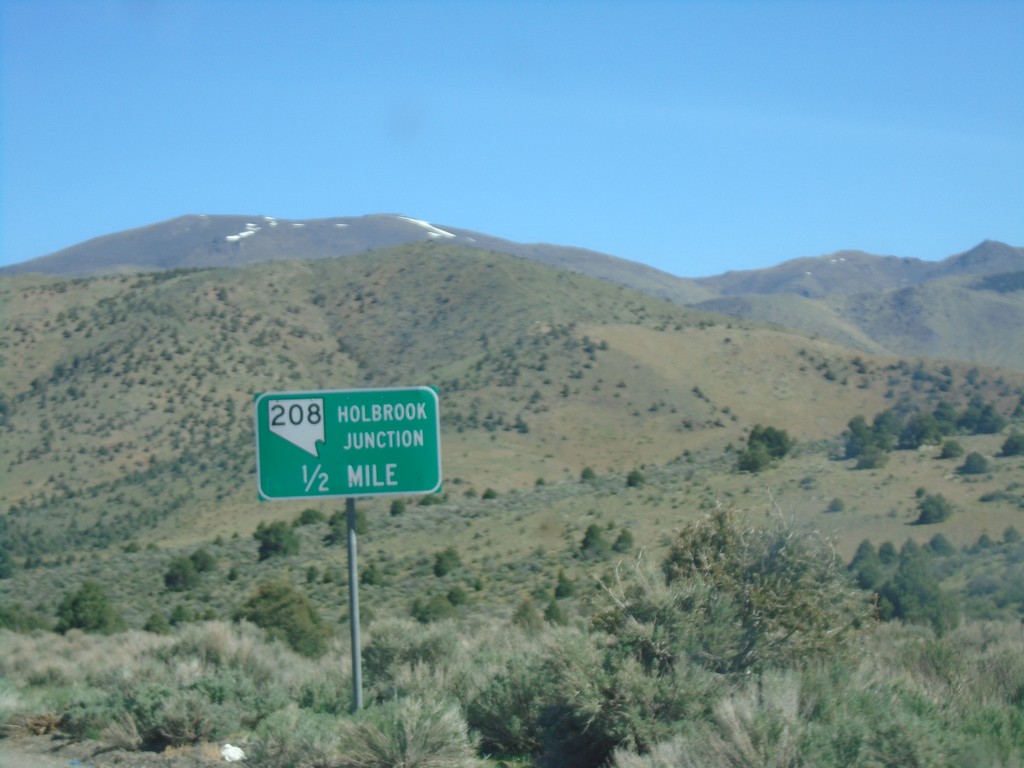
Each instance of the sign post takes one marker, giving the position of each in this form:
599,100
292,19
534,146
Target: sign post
348,443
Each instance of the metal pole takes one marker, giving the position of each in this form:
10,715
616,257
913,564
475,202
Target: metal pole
353,607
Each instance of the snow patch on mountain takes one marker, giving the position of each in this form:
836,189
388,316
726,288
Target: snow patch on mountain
432,231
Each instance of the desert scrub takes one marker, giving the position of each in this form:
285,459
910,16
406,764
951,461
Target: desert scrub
209,681
741,597
296,738
411,732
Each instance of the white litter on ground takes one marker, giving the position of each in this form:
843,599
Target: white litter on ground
232,753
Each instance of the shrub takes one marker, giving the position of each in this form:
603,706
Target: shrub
18,618
974,464
287,614
309,516
410,732
933,508
913,594
276,539
836,505
776,442
565,587
951,449
587,475
527,617
1013,445
941,546
753,460
337,526
919,429
396,645
181,575
90,610
873,457
765,596
446,561
203,561
594,544
157,624
553,613
635,478
623,542
867,566
437,608
296,738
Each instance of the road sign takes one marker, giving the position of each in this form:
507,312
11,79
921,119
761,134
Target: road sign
348,442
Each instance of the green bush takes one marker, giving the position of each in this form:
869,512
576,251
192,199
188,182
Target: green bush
203,561
974,464
753,460
157,624
623,542
527,617
446,561
436,608
594,544
873,457
276,540
1013,445
762,596
913,594
933,508
89,609
181,575
296,738
396,646
951,449
410,732
775,442
18,618
287,614
309,516
565,587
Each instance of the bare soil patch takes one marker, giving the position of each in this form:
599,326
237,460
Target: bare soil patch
55,751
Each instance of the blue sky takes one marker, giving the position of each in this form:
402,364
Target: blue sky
696,137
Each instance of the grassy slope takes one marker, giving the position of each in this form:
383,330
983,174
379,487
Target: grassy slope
946,318
148,436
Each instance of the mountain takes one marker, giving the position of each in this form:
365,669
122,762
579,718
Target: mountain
968,307
856,272
224,241
885,305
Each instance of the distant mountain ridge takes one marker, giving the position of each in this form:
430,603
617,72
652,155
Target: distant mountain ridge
849,272
199,240
965,307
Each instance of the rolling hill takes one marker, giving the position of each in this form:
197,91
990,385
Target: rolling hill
880,304
127,398
584,424
126,432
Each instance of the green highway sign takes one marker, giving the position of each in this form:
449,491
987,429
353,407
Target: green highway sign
348,442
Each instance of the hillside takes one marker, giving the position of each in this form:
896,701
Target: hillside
885,305
586,429
969,307
127,399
